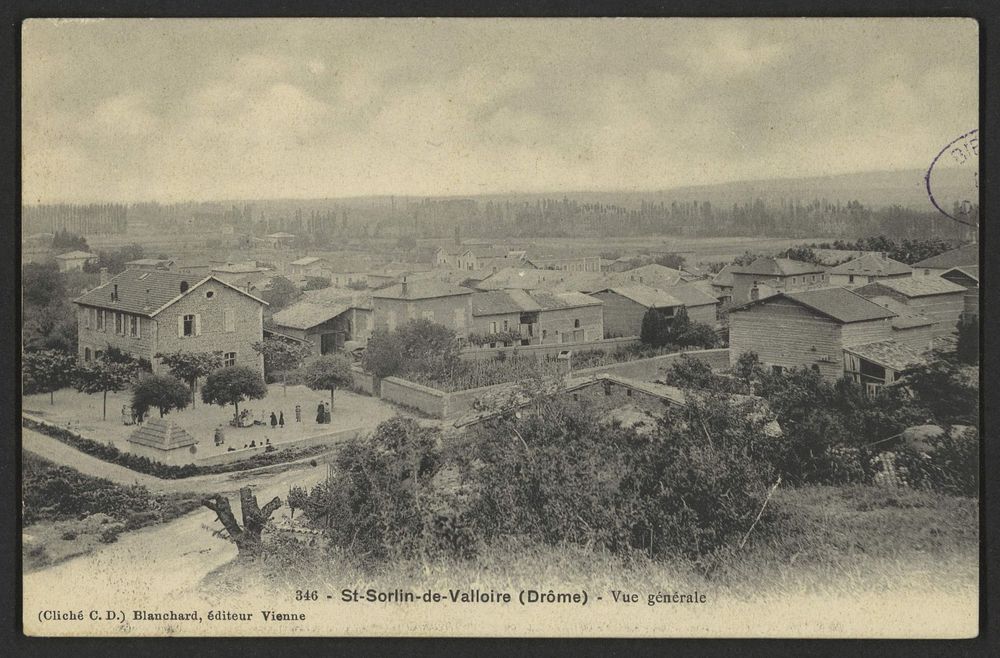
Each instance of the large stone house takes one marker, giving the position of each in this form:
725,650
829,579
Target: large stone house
777,275
439,302
867,269
74,260
144,312
540,317
807,329
625,306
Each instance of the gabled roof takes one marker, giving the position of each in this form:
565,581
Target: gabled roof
969,271
162,434
655,273
307,260
646,296
691,294
164,289
839,304
550,300
964,255
872,265
768,266
238,268
306,314
724,279
150,261
889,354
498,302
75,255
906,317
421,289
918,286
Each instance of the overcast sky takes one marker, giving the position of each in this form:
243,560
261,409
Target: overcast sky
174,110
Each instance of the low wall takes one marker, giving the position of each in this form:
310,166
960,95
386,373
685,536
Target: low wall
460,402
363,381
416,396
548,349
654,367
307,442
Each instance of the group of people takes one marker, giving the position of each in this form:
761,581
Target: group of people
322,413
130,417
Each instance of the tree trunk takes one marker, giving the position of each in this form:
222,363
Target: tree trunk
284,383
237,405
331,398
104,411
247,538
51,397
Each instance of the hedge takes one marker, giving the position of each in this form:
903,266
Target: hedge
109,453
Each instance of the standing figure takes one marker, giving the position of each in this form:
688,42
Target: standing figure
320,413
327,411
281,419
274,420
219,436
128,417
298,413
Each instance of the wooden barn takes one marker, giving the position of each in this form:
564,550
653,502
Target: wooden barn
968,278
625,306
807,329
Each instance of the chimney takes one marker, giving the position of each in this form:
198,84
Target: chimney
404,286
104,276
147,297
114,295
754,293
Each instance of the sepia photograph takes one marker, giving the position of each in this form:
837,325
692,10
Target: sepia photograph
500,327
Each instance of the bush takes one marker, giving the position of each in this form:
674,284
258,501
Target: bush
109,535
950,466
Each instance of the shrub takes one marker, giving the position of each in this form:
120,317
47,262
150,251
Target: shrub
69,535
951,465
109,535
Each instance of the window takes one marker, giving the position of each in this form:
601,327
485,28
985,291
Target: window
493,327
229,359
776,369
98,354
576,323
188,326
815,367
100,320
576,397
228,320
427,315
628,392
86,354
119,324
545,334
133,326
209,294
505,325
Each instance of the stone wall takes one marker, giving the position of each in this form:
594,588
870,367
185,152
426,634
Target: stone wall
655,367
553,349
415,396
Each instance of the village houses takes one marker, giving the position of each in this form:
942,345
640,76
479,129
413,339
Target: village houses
868,268
777,275
538,317
446,304
934,297
145,312
964,256
327,325
74,260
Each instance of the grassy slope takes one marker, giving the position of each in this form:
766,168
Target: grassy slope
839,540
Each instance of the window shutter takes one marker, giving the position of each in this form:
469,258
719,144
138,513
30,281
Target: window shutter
227,316
180,326
197,324
138,327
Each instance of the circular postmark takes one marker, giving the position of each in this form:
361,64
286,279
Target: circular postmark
953,180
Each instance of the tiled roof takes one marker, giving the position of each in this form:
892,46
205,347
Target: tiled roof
497,302
338,297
163,434
872,265
767,266
647,296
906,317
691,294
888,353
421,289
964,255
306,260
238,268
971,271
164,287
656,274
920,286
724,278
840,304
74,255
306,315
549,300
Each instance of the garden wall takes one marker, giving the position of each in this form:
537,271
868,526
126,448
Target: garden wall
309,441
363,381
549,349
416,396
654,367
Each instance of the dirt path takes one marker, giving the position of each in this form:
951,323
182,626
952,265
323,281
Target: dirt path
66,455
149,568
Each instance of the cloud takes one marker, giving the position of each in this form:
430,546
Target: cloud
171,110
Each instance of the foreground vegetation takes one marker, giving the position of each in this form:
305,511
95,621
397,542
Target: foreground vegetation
67,513
823,539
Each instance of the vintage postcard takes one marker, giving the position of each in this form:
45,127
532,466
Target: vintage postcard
501,327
